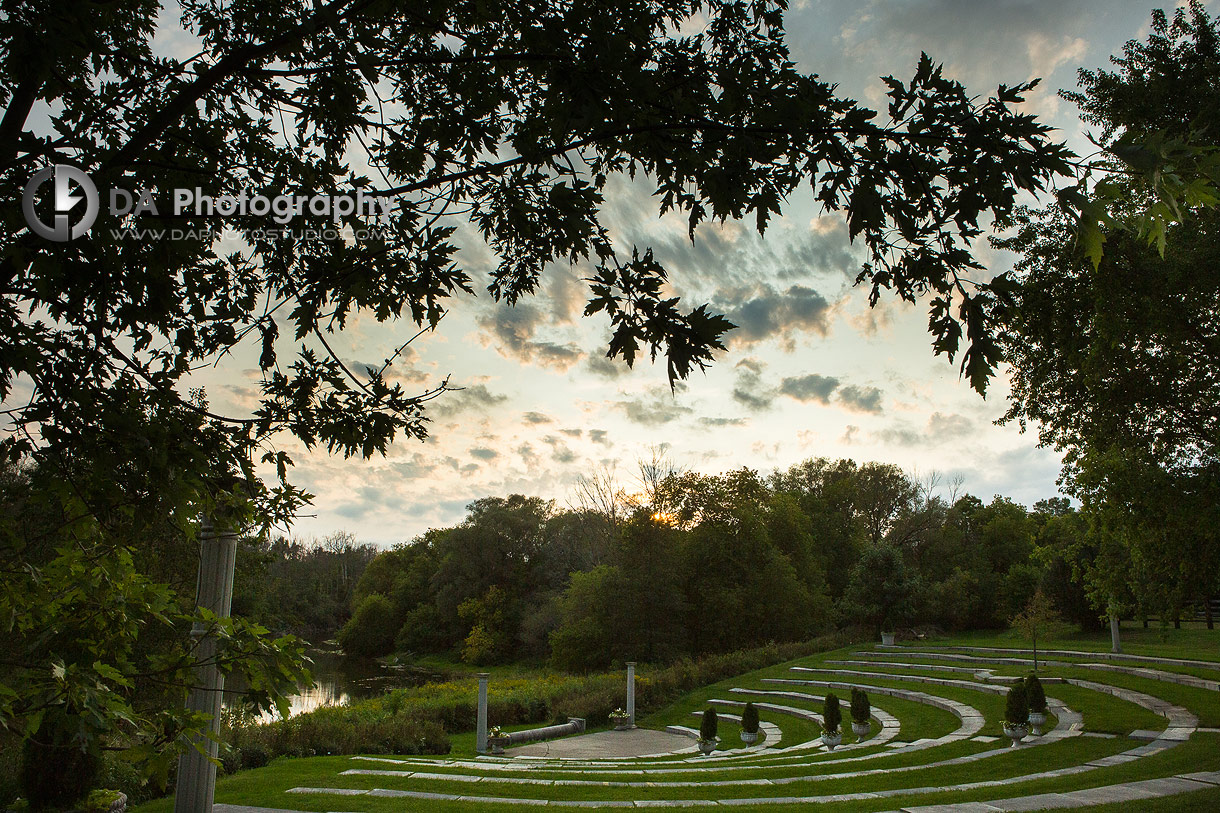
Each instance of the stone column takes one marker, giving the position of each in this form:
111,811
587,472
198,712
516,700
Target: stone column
631,693
480,737
1116,644
196,773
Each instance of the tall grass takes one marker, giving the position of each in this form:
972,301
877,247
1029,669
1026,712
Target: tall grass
416,720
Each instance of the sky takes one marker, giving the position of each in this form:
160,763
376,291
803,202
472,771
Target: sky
811,371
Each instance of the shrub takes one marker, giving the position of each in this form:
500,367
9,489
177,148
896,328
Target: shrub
370,630
100,801
120,774
56,775
707,728
452,706
1034,694
230,759
1016,710
254,755
831,715
749,719
860,707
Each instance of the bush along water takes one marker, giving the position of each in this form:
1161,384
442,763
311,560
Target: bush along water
417,720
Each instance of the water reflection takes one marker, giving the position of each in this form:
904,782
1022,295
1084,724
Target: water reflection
339,679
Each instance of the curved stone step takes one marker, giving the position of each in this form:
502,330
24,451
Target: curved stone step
1071,653
1135,671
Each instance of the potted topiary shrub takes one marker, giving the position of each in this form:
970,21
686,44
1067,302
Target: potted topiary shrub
707,731
1036,698
831,717
749,724
620,719
860,711
497,739
1016,713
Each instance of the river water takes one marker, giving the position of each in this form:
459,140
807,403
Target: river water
339,679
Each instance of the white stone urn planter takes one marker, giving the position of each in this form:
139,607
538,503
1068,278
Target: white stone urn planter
749,737
1015,732
860,729
707,746
831,740
1037,719
498,743
622,723
887,639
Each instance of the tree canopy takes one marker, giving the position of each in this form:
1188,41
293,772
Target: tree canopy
1118,362
507,117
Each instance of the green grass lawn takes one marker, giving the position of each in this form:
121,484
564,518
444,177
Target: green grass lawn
814,773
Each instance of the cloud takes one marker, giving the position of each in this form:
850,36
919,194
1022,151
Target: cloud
536,418
943,427
560,452
762,313
599,436
749,389
900,434
940,428
733,255
475,397
572,433
812,387
566,294
861,399
483,453
655,411
513,329
599,364
723,421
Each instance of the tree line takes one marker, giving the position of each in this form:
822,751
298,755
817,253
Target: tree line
711,563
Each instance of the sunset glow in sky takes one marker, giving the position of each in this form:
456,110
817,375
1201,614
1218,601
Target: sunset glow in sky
810,371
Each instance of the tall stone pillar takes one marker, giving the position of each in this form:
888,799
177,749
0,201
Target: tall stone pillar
196,773
1116,644
480,738
631,693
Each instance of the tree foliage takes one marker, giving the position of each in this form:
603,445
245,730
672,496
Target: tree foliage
832,715
1117,360
1016,705
860,707
509,118
708,725
749,718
